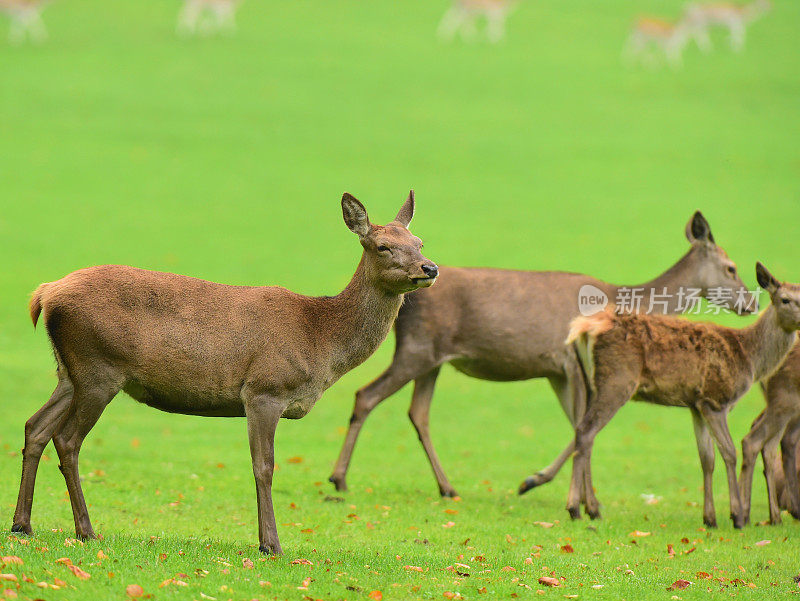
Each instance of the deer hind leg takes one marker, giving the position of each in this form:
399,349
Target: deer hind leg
769,455
702,38
39,429
705,449
226,17
571,393
36,29
718,423
610,397
737,35
789,443
189,17
451,22
403,369
88,402
496,25
419,413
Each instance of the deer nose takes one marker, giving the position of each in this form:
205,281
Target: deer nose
430,270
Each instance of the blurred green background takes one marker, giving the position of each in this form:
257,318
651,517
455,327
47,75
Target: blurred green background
225,158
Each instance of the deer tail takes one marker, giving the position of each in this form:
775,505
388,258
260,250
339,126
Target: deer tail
35,305
583,333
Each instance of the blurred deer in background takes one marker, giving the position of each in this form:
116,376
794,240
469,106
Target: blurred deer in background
26,20
651,36
505,326
734,17
778,424
666,361
207,16
463,15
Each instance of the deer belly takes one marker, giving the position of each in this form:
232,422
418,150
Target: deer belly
505,368
220,403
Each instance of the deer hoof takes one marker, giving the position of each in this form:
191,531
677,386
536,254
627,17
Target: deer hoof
710,522
574,513
594,514
449,493
22,529
338,483
529,483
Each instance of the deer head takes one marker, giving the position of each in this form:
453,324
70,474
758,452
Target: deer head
392,259
785,298
715,270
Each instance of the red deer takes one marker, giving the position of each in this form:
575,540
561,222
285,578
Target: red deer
507,326
668,361
207,16
190,346
778,424
26,20
735,17
463,15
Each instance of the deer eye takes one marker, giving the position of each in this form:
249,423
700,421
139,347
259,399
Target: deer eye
383,248
785,301
732,270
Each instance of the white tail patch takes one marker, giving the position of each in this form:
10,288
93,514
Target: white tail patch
589,325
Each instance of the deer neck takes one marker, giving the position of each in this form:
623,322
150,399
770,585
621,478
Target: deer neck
767,343
663,290
359,319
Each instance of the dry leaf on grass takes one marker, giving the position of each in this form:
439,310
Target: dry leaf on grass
763,543
413,568
544,524
83,575
679,585
639,534
548,581
375,595
134,591
567,549
12,559
301,562
247,563
9,577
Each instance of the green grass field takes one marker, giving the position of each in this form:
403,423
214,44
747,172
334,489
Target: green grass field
225,158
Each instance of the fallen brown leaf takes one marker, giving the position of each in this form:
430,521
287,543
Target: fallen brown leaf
375,595
134,591
761,543
12,559
567,549
548,581
639,534
301,562
413,568
679,585
83,575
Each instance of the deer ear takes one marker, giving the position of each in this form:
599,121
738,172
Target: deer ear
355,215
698,230
406,213
765,279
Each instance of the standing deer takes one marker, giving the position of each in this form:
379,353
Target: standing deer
26,20
463,15
778,424
668,361
735,17
207,16
651,35
190,346
501,325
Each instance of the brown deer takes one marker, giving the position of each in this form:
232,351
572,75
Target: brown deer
463,15
507,326
678,363
735,17
26,20
651,36
190,346
207,16
778,424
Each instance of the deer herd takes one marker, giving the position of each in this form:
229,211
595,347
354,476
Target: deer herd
190,346
649,39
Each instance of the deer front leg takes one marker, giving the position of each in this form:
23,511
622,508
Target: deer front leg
705,448
718,423
263,413
419,414
393,379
